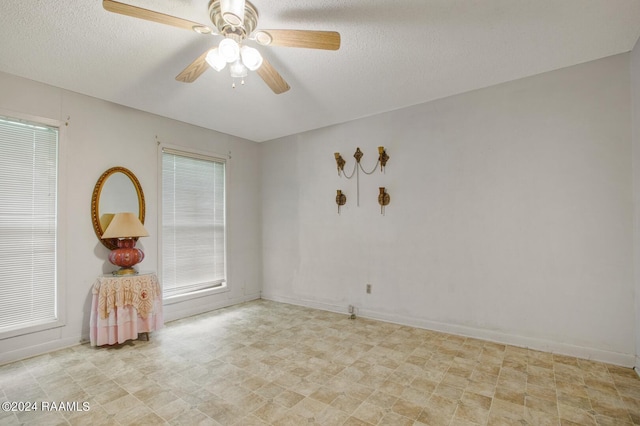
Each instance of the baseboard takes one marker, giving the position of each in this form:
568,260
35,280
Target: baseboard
39,349
625,360
306,303
189,311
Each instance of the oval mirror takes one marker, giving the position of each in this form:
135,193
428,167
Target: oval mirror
117,190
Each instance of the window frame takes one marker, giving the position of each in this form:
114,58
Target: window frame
61,225
206,155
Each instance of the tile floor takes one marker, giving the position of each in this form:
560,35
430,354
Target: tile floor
266,363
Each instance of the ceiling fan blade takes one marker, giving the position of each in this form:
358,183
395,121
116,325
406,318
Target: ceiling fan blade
327,40
273,79
150,15
194,69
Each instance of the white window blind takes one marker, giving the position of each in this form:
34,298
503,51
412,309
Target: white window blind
193,223
28,184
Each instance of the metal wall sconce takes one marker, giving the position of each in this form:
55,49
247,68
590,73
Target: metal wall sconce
383,199
340,162
383,157
358,155
341,199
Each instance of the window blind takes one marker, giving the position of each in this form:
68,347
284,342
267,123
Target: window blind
28,184
193,223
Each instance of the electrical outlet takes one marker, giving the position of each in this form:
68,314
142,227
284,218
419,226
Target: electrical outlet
368,288
351,309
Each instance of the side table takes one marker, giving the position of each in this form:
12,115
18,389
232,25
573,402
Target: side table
124,306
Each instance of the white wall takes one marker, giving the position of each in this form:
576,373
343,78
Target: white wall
511,213
510,216
635,109
101,135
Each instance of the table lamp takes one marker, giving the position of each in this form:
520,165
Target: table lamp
125,227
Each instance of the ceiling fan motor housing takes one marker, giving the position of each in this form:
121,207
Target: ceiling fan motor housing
238,33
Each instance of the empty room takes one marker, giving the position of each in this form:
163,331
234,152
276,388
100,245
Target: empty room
330,212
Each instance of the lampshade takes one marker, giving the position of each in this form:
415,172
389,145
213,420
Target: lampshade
232,11
125,225
251,58
229,50
215,60
105,220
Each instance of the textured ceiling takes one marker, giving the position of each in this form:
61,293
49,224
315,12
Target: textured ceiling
394,54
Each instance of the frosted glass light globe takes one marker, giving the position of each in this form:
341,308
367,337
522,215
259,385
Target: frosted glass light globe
215,60
229,50
251,58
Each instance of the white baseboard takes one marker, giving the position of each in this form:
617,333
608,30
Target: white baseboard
625,360
306,303
595,354
39,349
173,313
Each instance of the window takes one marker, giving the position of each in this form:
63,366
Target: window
28,226
193,223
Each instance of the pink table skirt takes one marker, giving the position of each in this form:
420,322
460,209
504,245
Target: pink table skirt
123,322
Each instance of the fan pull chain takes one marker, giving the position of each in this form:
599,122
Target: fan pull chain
233,84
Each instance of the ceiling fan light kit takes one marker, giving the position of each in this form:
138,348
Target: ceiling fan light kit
240,59
236,21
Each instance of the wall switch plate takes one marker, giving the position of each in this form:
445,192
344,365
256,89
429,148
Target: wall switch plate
368,288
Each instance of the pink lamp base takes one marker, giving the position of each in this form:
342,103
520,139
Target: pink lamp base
125,256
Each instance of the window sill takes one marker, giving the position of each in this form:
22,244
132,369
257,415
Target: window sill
14,332
195,295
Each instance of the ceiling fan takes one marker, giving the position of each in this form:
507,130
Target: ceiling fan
236,21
